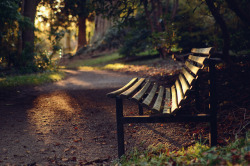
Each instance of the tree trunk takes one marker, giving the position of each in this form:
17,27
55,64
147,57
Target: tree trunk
175,7
101,27
82,41
20,41
226,36
68,42
145,4
28,35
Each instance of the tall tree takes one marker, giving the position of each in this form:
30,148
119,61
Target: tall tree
223,26
28,36
82,10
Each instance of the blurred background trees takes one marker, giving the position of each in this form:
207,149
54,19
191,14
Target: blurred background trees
36,33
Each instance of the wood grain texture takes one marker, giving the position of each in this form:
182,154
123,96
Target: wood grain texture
158,101
147,101
192,68
137,97
188,76
124,88
184,84
179,91
132,88
174,99
205,51
168,102
197,59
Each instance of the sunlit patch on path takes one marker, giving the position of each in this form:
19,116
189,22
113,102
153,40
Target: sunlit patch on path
51,111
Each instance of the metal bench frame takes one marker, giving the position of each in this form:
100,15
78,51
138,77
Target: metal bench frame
210,117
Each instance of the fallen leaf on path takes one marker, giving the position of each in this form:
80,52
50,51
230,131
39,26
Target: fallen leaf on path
66,150
65,159
42,150
73,152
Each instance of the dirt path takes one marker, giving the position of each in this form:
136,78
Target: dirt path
72,122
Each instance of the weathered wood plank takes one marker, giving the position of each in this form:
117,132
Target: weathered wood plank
179,91
174,99
197,59
167,104
137,97
192,68
205,51
188,76
158,101
149,98
133,88
119,91
184,84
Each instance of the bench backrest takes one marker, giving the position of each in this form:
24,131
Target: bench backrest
195,62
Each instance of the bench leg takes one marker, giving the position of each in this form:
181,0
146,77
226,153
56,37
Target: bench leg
213,132
140,109
197,95
120,129
213,105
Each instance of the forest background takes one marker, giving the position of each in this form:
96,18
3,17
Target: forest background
35,34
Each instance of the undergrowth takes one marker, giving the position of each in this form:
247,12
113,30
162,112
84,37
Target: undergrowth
31,79
236,153
102,60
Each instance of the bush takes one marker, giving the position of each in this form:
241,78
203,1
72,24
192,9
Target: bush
135,42
237,153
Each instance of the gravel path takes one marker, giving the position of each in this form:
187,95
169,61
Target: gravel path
72,122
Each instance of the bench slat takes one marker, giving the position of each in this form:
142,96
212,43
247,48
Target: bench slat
158,102
205,51
132,88
150,96
192,68
179,91
188,76
139,95
117,92
184,84
197,59
167,104
174,99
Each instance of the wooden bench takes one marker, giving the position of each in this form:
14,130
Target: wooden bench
167,103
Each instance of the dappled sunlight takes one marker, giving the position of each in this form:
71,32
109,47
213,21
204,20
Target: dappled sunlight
74,82
51,111
86,68
115,66
132,68
2,79
55,77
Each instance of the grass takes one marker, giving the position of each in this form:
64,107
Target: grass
99,61
31,79
110,62
148,52
236,153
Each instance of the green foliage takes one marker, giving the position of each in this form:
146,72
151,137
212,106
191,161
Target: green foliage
237,153
113,38
11,21
31,79
135,41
